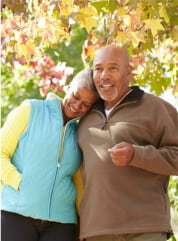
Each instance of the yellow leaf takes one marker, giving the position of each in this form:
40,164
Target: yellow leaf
121,37
163,13
87,22
175,33
127,20
154,25
33,4
25,50
58,33
90,23
84,58
135,21
136,37
89,11
30,2
66,7
91,52
122,11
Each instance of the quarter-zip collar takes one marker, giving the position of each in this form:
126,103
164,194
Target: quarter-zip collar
135,95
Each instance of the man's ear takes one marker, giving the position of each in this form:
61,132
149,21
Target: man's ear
130,68
130,74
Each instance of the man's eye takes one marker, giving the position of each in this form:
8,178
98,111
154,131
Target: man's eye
97,69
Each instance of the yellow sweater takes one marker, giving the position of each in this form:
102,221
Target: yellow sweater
10,133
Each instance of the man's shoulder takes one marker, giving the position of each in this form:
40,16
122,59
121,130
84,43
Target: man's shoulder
157,102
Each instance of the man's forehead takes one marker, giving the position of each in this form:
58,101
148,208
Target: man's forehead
111,63
110,55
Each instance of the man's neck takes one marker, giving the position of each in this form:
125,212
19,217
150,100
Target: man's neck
110,104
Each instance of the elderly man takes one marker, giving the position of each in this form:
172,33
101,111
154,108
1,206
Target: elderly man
129,142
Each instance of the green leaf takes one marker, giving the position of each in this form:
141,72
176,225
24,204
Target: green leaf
175,33
100,5
113,4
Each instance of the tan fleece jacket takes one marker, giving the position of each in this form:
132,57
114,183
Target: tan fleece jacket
130,199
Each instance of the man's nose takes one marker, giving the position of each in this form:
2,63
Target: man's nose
105,73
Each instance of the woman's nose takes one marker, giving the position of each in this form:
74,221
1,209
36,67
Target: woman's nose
78,105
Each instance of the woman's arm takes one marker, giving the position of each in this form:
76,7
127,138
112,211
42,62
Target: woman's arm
10,133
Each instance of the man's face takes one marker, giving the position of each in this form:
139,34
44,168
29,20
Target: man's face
77,102
111,72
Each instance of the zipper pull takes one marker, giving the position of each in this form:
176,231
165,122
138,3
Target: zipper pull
58,165
105,121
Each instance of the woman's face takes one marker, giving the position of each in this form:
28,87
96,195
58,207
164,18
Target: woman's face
77,102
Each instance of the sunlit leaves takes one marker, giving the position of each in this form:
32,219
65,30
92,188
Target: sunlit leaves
153,24
163,13
66,7
175,33
132,23
86,19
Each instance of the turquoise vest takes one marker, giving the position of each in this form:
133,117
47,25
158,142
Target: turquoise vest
47,155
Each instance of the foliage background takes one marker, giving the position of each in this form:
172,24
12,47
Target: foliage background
44,43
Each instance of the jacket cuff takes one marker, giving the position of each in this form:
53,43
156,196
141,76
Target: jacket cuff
138,157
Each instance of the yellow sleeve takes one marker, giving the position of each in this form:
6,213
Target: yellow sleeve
78,182
14,126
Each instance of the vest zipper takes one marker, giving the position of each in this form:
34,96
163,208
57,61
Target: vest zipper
50,200
58,164
62,145
62,142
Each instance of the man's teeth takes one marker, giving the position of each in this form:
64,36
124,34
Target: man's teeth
106,85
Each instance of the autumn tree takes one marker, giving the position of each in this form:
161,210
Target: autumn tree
148,28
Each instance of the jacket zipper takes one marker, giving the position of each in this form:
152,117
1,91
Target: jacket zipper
106,118
104,124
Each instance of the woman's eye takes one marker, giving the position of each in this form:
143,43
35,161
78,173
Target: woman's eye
87,106
75,97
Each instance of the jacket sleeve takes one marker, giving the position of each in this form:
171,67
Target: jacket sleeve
10,133
78,182
161,159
